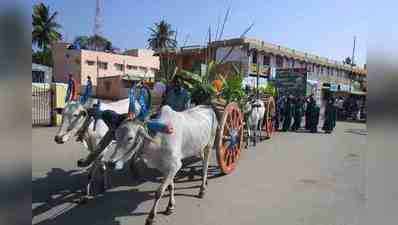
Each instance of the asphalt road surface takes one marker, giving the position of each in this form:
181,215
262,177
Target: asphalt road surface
292,179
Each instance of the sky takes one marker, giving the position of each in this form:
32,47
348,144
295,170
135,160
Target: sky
324,28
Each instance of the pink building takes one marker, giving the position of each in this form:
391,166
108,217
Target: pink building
83,63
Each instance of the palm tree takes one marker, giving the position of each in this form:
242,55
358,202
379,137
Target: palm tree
162,36
95,42
98,42
45,28
82,41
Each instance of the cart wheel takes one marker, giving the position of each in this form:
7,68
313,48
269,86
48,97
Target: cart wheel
230,138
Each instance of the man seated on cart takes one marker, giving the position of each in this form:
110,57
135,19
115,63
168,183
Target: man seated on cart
138,92
176,96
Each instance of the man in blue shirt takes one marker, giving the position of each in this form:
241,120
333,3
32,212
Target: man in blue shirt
177,97
87,91
140,92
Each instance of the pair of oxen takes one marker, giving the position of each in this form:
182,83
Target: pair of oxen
194,135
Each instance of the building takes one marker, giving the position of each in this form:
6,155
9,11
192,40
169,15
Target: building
82,63
111,88
320,69
323,73
41,73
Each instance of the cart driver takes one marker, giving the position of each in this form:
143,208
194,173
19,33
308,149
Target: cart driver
177,97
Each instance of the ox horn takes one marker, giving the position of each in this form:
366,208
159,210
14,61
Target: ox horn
146,136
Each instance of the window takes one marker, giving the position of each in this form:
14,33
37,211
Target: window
103,65
119,67
266,60
130,67
143,69
196,66
38,76
279,61
254,57
90,63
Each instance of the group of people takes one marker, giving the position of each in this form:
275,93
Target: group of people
291,110
175,96
350,107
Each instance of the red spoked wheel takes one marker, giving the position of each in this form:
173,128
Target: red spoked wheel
269,128
269,117
230,138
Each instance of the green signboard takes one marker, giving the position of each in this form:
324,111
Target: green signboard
291,82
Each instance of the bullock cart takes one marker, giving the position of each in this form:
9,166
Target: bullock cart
229,141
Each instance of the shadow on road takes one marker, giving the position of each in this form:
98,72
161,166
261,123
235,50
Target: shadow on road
357,131
56,195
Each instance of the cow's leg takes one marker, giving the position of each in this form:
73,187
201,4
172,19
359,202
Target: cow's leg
206,157
248,136
255,134
252,134
260,129
171,206
89,186
159,193
104,142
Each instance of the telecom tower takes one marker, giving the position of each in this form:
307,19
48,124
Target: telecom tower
97,21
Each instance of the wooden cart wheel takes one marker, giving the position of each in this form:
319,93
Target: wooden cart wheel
230,138
269,117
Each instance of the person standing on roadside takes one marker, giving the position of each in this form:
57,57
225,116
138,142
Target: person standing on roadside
87,91
297,113
330,116
287,114
71,92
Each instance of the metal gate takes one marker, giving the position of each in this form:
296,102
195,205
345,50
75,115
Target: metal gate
42,105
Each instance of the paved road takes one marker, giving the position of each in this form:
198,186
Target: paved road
293,179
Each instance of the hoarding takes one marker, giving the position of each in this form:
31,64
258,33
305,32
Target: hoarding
292,81
251,81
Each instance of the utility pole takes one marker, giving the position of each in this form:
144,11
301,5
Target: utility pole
352,63
353,53
258,77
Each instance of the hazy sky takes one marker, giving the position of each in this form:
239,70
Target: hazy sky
325,28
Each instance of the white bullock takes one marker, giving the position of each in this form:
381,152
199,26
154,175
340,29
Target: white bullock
75,114
194,135
254,111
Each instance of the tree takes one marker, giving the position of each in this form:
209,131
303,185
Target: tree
82,41
162,36
348,61
95,42
44,27
98,42
43,57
